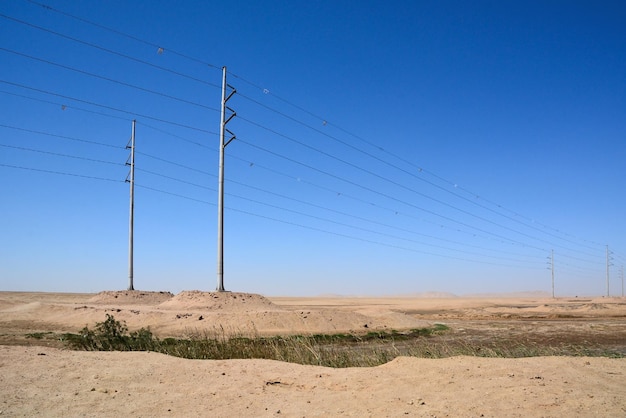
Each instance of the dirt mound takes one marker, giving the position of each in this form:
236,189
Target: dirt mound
219,301
131,297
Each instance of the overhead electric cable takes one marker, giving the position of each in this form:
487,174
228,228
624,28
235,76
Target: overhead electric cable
126,35
317,206
395,183
174,163
176,179
359,228
122,83
108,107
394,166
62,136
174,194
61,173
410,163
174,135
327,231
365,170
110,51
350,196
64,106
302,109
386,195
325,208
61,155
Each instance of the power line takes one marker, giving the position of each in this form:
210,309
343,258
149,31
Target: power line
369,203
372,144
134,114
173,163
62,106
320,218
318,207
176,179
263,203
389,196
351,215
122,83
395,183
410,163
110,51
120,33
61,173
410,173
313,228
308,204
160,48
300,180
176,136
61,155
61,136
266,204
328,209
174,194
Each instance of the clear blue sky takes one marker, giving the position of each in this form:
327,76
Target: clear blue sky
382,147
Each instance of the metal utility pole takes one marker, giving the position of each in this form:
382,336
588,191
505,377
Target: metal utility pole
552,268
220,197
131,180
607,271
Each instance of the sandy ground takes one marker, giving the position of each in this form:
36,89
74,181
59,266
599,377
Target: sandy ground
39,380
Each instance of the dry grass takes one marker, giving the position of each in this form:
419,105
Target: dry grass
338,350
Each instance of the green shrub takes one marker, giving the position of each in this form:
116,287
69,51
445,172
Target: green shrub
111,335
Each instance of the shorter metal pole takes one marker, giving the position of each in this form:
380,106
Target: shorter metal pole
132,209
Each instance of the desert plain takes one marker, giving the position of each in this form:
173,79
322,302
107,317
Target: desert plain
41,376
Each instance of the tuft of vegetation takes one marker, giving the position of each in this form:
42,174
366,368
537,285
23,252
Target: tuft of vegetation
334,350
112,335
38,335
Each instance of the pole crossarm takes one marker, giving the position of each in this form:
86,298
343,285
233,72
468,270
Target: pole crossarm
232,137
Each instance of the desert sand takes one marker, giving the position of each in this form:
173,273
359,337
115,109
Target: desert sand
42,379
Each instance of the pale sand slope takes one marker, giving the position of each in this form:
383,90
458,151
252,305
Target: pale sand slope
187,313
193,312
38,381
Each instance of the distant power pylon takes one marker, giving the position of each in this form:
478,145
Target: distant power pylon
552,269
609,258
220,199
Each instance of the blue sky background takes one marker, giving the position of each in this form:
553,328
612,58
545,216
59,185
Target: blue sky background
382,148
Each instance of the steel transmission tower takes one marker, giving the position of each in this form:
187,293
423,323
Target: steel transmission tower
220,199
